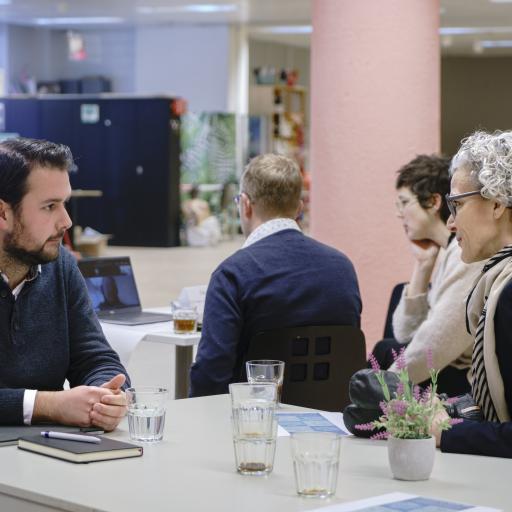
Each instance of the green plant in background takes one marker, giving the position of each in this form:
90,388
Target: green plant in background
208,148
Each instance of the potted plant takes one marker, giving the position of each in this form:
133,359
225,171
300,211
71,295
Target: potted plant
406,421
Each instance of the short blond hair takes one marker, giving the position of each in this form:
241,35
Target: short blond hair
274,184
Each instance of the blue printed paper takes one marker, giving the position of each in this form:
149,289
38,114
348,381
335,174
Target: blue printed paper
306,422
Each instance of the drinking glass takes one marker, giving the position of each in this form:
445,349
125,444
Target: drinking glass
266,370
254,426
146,413
315,462
184,320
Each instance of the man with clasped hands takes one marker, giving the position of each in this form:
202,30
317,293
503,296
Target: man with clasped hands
48,329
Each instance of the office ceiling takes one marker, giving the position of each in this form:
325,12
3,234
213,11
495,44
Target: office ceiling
481,27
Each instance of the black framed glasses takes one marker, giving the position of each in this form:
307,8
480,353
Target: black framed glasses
452,201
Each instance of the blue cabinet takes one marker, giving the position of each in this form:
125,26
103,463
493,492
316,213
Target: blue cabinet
128,147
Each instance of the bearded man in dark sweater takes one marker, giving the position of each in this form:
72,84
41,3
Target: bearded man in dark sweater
48,329
280,278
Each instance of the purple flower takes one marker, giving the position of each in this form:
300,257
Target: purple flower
380,436
455,421
417,393
425,396
430,359
399,407
400,359
374,363
383,406
400,388
365,426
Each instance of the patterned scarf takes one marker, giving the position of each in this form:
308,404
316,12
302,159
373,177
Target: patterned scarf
476,312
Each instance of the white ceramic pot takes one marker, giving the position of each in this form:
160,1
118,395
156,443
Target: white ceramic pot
411,459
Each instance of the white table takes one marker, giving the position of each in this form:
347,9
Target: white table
193,470
125,338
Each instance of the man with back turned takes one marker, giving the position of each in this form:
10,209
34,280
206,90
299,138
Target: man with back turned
280,278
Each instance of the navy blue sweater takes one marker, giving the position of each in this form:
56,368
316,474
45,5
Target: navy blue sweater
284,280
49,334
488,438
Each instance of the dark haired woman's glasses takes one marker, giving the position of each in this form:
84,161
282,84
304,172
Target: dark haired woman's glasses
452,201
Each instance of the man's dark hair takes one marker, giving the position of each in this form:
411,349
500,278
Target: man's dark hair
425,176
18,157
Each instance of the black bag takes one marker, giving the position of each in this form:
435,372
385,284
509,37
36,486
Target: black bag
463,407
366,394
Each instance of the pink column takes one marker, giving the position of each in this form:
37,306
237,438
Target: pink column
375,105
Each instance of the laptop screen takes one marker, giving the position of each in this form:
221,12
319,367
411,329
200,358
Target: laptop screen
110,283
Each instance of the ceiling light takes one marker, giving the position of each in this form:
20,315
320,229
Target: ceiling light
192,8
458,31
503,43
5,2
285,29
78,21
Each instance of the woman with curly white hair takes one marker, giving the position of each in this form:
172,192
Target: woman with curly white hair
480,203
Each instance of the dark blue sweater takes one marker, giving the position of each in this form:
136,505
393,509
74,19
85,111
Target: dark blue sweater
49,334
487,438
284,280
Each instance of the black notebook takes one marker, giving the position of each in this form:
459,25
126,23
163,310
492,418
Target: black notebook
79,452
10,434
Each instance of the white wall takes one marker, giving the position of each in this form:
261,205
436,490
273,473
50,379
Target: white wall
28,52
3,59
191,61
110,53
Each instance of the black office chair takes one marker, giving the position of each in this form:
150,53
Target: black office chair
319,362
396,295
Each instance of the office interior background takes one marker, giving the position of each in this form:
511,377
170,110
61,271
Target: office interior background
250,76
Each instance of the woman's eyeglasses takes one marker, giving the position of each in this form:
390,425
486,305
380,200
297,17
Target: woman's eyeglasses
402,204
453,201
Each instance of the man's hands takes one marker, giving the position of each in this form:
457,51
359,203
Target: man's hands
83,406
112,407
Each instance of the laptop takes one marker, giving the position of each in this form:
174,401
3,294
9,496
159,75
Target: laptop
113,292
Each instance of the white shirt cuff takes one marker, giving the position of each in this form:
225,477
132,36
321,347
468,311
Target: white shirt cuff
29,400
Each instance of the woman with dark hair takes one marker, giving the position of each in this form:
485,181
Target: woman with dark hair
430,314
480,203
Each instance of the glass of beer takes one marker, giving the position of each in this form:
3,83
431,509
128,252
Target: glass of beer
185,320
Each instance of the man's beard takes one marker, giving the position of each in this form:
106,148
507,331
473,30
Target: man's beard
28,257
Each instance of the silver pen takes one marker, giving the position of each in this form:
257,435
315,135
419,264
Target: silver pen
71,437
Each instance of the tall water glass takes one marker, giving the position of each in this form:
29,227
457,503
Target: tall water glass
266,370
146,413
254,426
316,458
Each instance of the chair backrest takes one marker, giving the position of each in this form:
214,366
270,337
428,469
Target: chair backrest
396,294
319,362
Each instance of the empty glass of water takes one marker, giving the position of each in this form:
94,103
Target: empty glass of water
266,370
316,458
146,413
254,426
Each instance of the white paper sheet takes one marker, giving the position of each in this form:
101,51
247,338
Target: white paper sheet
123,340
